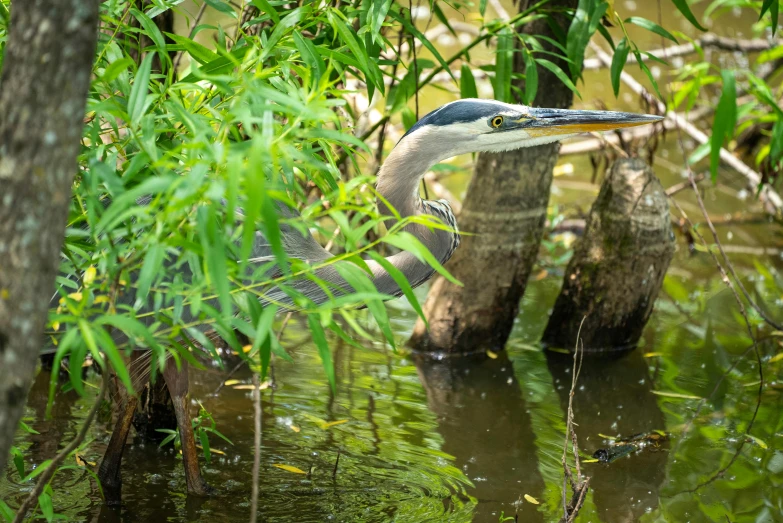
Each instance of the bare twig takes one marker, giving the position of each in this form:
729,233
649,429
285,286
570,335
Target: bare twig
708,40
47,474
579,486
256,448
336,462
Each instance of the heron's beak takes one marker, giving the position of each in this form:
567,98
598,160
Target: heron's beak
549,122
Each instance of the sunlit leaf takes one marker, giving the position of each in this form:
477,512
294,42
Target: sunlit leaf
618,63
289,468
684,8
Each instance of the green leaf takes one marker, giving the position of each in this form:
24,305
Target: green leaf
18,461
647,72
771,6
265,7
109,349
197,51
204,439
651,26
221,6
555,69
402,282
584,24
215,256
482,7
504,63
153,32
114,69
370,69
5,510
153,262
45,503
725,120
376,15
310,56
138,94
531,78
408,242
618,62
683,7
319,337
467,83
776,143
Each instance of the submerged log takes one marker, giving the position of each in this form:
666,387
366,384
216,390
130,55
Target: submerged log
618,265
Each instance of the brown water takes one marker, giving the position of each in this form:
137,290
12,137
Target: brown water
468,440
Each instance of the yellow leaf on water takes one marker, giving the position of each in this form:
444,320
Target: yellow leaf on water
776,357
333,423
757,441
294,428
83,462
492,355
248,386
213,451
605,436
652,354
541,275
531,499
246,348
228,383
590,460
675,395
289,468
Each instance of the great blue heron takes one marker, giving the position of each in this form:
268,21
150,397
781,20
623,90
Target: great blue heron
464,126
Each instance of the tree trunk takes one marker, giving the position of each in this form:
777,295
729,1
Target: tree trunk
43,88
618,265
504,212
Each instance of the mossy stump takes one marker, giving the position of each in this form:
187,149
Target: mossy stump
618,265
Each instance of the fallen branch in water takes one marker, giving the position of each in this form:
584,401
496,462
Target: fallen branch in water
767,193
707,41
581,484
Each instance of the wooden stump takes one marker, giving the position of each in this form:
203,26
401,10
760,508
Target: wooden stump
618,265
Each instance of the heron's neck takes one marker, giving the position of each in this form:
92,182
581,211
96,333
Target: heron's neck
400,176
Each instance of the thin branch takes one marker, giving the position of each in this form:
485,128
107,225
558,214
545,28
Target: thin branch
190,33
708,40
256,448
47,474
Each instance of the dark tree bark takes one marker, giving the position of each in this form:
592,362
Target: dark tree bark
43,89
618,265
505,210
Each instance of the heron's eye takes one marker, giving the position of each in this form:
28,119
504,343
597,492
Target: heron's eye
496,121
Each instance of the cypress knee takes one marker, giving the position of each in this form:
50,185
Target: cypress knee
618,265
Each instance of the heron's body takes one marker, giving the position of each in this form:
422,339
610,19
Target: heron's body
464,126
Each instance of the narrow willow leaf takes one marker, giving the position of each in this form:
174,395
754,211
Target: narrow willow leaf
215,257
265,7
153,32
204,439
467,83
45,504
402,282
408,242
310,56
504,61
651,26
648,73
482,7
724,122
150,269
114,69
559,73
360,282
139,90
776,143
773,7
197,51
531,78
221,6
618,62
377,14
319,337
683,7
106,344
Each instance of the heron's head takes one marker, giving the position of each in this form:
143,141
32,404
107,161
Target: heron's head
474,125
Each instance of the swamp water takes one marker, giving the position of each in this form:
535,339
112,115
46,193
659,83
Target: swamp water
468,440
